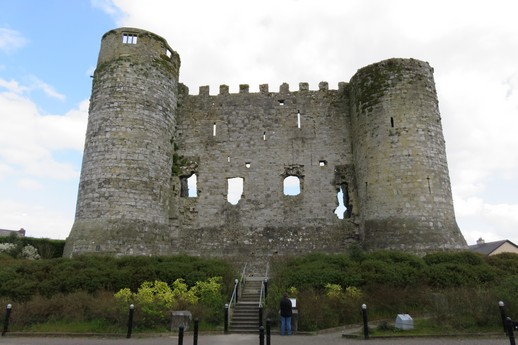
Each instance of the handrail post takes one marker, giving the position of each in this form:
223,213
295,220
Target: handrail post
268,331
130,320
226,319
510,330
261,335
260,316
180,335
7,316
195,335
236,286
501,306
365,322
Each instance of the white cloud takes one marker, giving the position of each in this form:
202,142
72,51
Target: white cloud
29,184
37,220
28,138
37,84
108,7
13,86
11,40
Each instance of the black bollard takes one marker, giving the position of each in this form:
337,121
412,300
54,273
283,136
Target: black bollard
268,331
226,319
365,322
180,335
260,316
195,336
130,320
510,330
265,288
7,316
261,335
501,306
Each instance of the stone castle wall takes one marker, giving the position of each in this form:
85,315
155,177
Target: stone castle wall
378,138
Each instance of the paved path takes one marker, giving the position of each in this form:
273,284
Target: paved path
248,339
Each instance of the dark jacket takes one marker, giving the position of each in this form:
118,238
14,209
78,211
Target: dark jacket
286,307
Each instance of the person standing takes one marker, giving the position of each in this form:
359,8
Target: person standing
286,313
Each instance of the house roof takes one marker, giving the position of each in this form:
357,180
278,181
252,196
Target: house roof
489,247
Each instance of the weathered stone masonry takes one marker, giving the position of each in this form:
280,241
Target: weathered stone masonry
378,137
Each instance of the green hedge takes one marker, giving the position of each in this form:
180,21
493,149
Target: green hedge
47,248
22,279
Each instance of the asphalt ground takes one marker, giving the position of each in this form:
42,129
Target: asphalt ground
251,339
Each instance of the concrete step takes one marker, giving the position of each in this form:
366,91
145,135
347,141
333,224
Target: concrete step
245,317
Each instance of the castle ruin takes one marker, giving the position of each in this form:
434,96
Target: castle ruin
376,140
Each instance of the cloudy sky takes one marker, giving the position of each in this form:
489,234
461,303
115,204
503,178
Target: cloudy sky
48,50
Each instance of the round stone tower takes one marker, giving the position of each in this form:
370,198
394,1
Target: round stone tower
400,159
123,199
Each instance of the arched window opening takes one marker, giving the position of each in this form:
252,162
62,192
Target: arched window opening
234,189
344,208
292,185
188,186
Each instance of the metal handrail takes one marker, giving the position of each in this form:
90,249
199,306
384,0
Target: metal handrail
240,281
262,293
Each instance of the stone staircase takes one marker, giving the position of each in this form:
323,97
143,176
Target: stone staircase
245,318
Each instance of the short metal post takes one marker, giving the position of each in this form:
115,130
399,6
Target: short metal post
501,306
226,319
510,330
260,315
180,335
130,320
195,336
365,322
8,309
261,335
268,331
265,287
237,289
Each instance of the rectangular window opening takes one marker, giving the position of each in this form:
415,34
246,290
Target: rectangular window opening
291,185
264,135
168,53
344,208
322,163
234,189
247,165
129,38
298,119
281,102
214,129
188,186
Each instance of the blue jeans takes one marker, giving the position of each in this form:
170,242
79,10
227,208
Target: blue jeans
286,324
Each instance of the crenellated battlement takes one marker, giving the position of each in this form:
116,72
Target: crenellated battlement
284,88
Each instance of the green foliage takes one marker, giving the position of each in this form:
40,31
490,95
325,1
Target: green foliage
507,263
463,286
44,247
156,299
75,294
71,312
22,279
